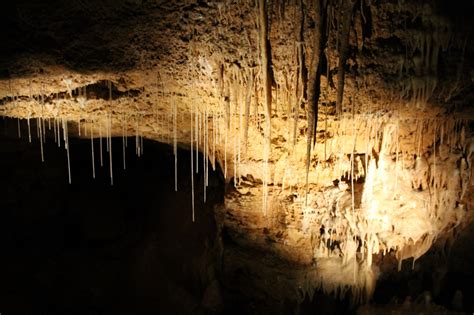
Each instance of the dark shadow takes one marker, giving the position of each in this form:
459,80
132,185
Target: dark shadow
93,248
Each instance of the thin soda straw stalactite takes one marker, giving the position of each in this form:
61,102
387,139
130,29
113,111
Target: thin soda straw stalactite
59,132
226,131
92,150
100,145
175,147
239,138
141,140
38,125
110,150
55,130
66,145
435,198
397,170
41,141
192,170
19,129
214,135
235,161
197,127
126,133
29,128
137,142
205,152
123,142
352,168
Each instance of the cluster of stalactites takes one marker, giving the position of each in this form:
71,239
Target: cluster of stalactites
413,192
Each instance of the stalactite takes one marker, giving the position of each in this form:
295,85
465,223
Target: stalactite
197,127
66,145
59,132
192,159
226,125
314,88
175,147
137,140
107,144
92,150
267,85
19,129
142,147
123,142
126,133
434,175
206,157
397,170
214,135
248,99
41,140
29,128
352,167
301,72
55,130
239,141
110,151
346,16
100,145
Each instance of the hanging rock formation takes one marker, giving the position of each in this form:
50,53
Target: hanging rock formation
343,127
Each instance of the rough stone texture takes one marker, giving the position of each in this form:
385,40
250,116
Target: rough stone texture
407,121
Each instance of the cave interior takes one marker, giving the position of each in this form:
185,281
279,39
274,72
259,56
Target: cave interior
236,157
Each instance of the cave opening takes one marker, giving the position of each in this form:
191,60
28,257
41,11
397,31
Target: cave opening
89,247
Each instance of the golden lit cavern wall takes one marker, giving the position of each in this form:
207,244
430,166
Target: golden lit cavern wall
344,129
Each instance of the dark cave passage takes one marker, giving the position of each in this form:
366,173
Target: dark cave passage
93,248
